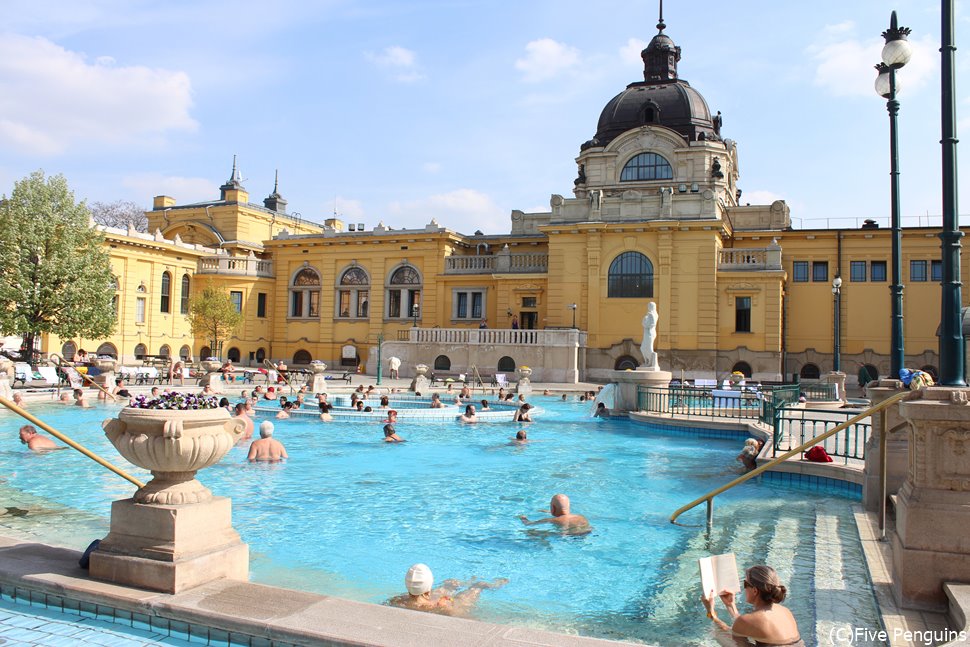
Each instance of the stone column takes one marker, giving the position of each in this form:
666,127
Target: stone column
931,542
106,372
6,377
897,446
627,387
212,378
837,378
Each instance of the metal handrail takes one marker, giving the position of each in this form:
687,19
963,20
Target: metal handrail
60,362
81,448
286,378
709,497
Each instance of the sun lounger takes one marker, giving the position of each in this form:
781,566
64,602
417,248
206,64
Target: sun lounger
49,375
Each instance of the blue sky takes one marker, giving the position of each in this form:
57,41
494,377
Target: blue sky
400,112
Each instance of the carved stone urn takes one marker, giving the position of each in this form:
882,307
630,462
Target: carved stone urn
105,364
6,375
524,385
421,369
174,445
319,383
210,365
420,383
318,367
524,372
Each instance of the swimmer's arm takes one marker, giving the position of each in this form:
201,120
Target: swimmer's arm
251,457
526,521
283,453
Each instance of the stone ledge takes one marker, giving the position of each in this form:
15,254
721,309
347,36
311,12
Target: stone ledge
959,610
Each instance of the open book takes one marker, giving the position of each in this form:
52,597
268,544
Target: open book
719,573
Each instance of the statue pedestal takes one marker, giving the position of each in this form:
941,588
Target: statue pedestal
214,382
897,447
628,383
170,548
5,390
319,384
931,544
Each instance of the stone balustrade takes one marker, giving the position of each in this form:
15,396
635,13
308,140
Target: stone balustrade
497,337
235,265
751,259
501,263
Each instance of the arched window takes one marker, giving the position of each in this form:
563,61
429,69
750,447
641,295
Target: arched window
646,166
442,363
233,354
68,350
165,302
164,351
260,355
302,357
184,304
506,364
353,294
305,294
631,276
624,363
404,294
140,351
742,367
810,372
185,353
205,353
107,350
868,373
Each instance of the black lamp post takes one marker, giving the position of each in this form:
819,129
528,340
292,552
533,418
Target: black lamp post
572,306
951,330
895,54
380,357
415,308
837,345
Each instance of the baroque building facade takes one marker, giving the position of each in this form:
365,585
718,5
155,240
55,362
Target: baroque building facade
655,214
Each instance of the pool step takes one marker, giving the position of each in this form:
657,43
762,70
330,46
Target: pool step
830,584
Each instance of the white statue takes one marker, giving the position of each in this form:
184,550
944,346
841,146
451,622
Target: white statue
649,337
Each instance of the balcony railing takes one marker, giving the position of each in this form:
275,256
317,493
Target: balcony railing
236,266
495,337
755,259
501,263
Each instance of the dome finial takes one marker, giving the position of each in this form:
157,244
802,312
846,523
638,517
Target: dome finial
660,24
276,182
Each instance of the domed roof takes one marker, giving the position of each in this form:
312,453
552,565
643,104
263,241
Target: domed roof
661,99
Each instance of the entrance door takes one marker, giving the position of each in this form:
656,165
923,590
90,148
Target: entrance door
528,320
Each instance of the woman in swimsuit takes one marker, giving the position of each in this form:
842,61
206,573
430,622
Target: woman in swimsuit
770,624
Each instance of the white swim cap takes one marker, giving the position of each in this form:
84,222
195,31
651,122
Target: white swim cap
418,579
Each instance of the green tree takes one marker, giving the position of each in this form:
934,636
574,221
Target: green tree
213,316
55,274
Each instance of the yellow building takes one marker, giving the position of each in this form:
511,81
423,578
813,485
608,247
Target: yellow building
655,215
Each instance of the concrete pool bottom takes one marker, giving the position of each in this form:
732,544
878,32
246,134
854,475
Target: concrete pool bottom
261,612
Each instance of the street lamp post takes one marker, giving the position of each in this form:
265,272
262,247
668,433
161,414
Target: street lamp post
415,308
572,306
837,345
380,358
951,325
895,54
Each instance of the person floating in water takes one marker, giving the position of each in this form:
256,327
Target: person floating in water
559,509
452,598
770,623
34,441
266,448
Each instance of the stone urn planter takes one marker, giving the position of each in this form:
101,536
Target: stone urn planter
420,383
421,370
174,445
210,365
319,383
524,385
105,364
524,373
6,375
318,367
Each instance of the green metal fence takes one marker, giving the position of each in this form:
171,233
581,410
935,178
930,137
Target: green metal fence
796,426
820,391
748,403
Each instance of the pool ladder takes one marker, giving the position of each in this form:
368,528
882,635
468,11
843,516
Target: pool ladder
883,431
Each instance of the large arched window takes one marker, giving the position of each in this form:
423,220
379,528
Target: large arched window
184,305
185,353
305,294
404,294
302,357
68,350
107,350
164,351
165,302
442,363
646,166
631,276
743,368
353,294
140,351
625,363
810,372
506,364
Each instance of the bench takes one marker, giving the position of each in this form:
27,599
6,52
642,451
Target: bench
444,378
346,376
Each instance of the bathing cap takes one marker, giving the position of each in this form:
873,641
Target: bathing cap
418,579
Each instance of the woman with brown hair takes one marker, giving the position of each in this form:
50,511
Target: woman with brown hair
770,623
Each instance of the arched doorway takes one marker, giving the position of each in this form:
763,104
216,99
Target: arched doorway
625,362
68,350
742,367
506,364
302,357
442,363
233,354
810,372
107,350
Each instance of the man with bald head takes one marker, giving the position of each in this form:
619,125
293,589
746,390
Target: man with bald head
267,448
574,524
34,441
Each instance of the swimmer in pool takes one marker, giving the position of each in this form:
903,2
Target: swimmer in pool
469,415
452,598
390,436
575,524
267,448
34,441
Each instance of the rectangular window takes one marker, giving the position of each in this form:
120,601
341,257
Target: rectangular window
140,310
877,271
114,306
462,312
344,307
236,299
414,299
857,271
468,304
184,304
363,302
742,314
260,304
476,305
936,271
800,271
917,271
820,272
314,304
163,305
528,302
394,304
296,308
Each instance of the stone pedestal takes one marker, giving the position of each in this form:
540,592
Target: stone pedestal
524,385
6,378
170,548
420,383
837,378
931,542
897,446
628,383
319,379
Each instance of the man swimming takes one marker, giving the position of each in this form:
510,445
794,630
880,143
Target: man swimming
469,415
266,448
447,599
34,441
575,524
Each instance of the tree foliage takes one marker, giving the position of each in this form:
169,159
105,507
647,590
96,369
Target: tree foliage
213,316
55,275
119,213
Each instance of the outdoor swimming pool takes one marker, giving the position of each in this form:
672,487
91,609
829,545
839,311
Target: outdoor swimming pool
348,514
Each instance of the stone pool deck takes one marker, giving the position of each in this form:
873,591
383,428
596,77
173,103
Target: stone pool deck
245,613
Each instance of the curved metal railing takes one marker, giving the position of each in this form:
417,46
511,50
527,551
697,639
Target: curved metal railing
60,362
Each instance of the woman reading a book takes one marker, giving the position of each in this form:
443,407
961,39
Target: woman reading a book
770,623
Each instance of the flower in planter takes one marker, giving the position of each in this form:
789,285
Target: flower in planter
175,401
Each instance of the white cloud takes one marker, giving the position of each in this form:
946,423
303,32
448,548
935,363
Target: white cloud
630,53
431,167
184,189
402,63
845,65
349,210
461,210
759,197
546,59
53,100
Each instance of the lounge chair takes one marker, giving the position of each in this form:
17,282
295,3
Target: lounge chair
501,380
49,375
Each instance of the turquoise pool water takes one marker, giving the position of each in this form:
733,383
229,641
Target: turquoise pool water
348,514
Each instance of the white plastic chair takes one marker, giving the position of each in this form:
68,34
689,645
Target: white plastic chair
49,374
501,380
